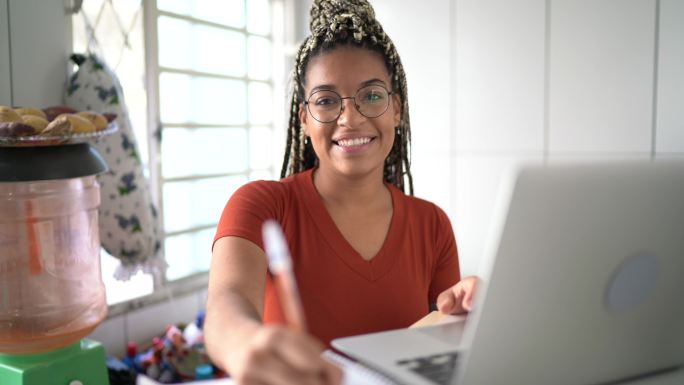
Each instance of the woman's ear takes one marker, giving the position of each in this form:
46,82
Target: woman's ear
396,104
303,117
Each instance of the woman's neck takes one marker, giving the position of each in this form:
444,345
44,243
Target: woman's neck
351,192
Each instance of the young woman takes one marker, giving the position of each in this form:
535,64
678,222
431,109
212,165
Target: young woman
367,257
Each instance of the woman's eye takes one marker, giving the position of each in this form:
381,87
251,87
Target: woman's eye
372,97
325,101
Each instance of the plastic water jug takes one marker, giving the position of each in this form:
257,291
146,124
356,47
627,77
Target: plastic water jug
51,290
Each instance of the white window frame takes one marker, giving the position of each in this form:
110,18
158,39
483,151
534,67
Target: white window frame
282,39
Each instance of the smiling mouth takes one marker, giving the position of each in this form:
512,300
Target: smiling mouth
353,142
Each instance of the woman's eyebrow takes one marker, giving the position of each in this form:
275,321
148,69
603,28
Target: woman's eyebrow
331,87
372,81
323,87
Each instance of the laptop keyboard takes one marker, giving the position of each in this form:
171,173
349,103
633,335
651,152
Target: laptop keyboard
438,368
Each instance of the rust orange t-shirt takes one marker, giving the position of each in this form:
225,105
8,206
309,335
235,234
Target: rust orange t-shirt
342,293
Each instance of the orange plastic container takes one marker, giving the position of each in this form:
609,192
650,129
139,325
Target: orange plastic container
51,290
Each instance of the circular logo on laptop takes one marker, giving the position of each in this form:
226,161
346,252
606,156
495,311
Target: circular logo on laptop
632,283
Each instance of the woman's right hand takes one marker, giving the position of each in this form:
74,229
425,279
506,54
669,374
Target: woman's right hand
275,355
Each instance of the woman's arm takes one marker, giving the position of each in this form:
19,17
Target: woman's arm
235,298
234,335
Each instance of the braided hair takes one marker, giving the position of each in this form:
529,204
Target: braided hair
336,23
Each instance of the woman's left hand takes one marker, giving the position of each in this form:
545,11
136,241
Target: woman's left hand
458,298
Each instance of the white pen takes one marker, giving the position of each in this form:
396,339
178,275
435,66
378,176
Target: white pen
280,265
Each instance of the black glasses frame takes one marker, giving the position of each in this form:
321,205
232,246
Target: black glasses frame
308,105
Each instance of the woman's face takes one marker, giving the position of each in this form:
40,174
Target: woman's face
353,144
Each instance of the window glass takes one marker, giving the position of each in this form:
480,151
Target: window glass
258,16
188,46
225,12
261,175
260,103
259,58
204,151
260,147
120,291
202,100
195,203
188,253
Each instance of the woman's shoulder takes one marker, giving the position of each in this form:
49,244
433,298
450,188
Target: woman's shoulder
422,209
261,199
274,188
415,202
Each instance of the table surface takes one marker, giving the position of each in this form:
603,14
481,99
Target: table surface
667,378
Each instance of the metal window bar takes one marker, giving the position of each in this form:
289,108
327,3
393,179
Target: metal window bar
213,24
213,75
193,229
194,177
207,125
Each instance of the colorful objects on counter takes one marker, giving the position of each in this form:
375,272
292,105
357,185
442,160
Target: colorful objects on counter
176,356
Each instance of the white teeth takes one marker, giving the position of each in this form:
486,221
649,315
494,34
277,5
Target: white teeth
353,142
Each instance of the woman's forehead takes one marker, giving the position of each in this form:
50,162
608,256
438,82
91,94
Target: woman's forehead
346,67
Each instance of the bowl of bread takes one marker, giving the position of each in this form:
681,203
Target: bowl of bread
26,126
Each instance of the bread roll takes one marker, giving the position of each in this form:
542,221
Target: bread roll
24,111
60,126
36,122
81,124
8,115
74,124
98,120
55,111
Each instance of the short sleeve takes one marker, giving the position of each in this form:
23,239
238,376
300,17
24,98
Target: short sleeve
446,272
249,207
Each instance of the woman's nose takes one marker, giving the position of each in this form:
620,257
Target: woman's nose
350,113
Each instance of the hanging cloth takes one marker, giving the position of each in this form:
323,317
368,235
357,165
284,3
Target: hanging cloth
129,225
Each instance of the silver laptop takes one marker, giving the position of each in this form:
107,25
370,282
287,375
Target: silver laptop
585,286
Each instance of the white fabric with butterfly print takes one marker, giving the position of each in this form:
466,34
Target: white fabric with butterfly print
129,225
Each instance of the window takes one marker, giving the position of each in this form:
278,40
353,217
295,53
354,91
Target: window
114,31
214,90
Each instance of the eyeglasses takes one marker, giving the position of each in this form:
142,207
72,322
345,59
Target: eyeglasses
326,106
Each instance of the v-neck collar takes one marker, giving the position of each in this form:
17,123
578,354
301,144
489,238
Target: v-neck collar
383,261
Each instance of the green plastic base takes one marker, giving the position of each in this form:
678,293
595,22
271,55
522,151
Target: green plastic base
83,361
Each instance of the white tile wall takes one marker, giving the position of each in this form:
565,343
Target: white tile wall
5,81
670,119
478,186
425,57
601,75
41,45
112,334
302,8
432,176
427,65
499,66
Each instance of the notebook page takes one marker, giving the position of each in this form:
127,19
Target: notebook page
354,373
